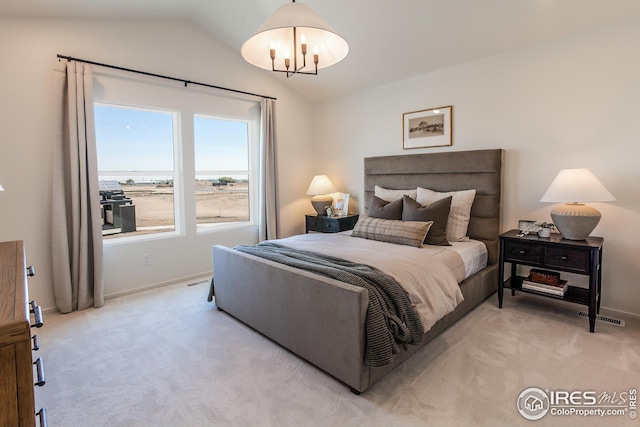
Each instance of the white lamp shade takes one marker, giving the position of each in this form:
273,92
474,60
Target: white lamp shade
277,33
1,189
576,186
321,184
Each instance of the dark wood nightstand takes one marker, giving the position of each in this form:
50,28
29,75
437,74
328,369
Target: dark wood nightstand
554,253
330,224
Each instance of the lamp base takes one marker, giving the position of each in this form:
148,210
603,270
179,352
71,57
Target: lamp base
320,203
575,221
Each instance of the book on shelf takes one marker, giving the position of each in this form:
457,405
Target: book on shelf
558,290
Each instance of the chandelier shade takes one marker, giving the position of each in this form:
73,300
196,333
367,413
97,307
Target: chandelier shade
295,40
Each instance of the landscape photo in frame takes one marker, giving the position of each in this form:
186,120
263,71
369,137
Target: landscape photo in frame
427,128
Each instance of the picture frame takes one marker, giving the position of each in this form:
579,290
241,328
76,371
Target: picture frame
340,205
525,225
427,128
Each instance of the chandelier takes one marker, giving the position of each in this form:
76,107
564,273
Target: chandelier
283,42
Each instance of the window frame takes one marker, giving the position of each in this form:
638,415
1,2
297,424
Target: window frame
123,90
251,173
178,227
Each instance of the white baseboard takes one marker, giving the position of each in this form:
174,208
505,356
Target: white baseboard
185,280
619,314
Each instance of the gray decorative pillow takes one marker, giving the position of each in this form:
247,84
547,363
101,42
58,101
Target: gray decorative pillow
438,212
410,233
391,195
386,210
460,212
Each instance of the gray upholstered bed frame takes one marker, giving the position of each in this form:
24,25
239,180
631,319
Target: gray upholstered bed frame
321,319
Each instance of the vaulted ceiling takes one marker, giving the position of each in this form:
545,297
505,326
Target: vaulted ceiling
389,39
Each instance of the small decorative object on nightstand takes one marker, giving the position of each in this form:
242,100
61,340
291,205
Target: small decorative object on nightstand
545,228
554,253
330,224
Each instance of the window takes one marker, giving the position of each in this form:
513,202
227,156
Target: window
136,169
221,148
174,160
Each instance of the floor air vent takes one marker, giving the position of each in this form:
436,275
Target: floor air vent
605,319
197,283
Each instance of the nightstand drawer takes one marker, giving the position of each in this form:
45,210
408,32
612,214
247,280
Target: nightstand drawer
523,252
322,225
568,258
330,224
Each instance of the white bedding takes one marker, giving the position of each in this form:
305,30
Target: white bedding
474,255
423,272
463,258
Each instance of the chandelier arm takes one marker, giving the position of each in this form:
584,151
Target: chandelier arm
291,73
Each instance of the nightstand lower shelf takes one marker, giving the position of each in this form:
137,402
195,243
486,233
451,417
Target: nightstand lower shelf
574,294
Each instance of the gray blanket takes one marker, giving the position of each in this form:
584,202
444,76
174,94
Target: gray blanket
391,320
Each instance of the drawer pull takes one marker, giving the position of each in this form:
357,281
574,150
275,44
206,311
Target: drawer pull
40,371
36,346
522,252
37,314
42,417
31,271
564,258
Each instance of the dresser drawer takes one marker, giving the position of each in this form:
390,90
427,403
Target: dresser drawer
523,252
568,258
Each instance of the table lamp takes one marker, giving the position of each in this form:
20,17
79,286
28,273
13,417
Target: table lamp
1,189
575,187
320,188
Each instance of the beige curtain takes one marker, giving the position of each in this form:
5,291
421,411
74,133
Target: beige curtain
268,227
76,222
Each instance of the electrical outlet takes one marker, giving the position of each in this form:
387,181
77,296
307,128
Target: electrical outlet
146,259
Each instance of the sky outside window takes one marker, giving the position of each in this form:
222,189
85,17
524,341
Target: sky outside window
134,139
221,145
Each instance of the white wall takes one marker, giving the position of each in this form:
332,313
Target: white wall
176,48
567,104
572,103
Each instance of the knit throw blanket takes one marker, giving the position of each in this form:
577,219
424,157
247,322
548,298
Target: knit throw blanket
391,320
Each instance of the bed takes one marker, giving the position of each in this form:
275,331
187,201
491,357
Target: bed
322,319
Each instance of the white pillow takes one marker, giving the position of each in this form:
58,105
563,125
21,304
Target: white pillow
390,195
459,214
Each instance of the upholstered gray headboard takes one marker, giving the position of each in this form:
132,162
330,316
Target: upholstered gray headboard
449,171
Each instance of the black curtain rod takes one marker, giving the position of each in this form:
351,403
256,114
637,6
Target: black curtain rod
186,82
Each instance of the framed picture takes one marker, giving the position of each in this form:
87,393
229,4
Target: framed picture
340,205
525,225
427,128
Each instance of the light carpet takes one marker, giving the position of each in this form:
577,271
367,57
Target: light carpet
166,357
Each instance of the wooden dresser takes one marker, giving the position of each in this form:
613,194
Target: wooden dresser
17,405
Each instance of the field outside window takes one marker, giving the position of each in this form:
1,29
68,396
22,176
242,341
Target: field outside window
221,148
136,169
